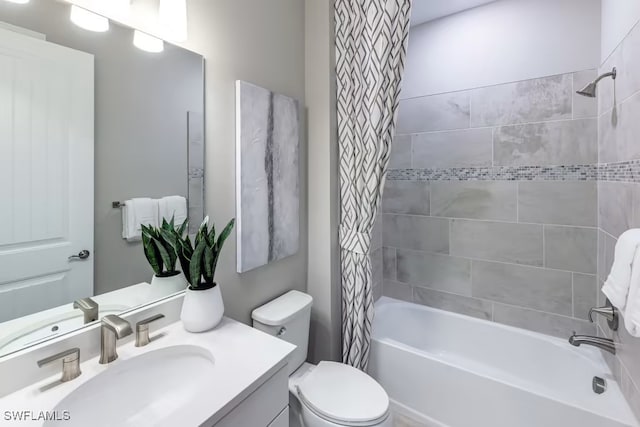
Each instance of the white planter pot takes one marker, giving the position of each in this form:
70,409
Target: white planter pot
162,287
202,310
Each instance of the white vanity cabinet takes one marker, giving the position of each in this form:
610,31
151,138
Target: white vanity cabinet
267,406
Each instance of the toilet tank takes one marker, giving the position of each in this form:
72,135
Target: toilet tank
287,317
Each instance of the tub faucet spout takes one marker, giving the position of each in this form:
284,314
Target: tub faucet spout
603,343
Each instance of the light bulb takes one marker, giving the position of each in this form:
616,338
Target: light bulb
173,19
147,43
89,20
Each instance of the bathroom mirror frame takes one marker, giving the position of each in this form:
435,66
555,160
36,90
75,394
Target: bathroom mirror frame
193,183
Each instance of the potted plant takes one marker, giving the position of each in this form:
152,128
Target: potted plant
159,249
203,307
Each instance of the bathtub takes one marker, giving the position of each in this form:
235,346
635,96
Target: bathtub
457,371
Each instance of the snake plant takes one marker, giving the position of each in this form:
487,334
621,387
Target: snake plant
159,246
199,260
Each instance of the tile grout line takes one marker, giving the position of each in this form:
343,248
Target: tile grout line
441,254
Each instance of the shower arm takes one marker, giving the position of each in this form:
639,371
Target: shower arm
613,73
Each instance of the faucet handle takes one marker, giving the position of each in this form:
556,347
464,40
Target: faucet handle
142,330
70,363
609,312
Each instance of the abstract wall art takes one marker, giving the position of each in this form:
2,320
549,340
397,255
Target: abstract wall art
267,176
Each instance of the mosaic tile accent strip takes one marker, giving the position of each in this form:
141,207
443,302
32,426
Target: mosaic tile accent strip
628,171
499,173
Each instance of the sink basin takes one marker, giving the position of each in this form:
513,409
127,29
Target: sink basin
143,390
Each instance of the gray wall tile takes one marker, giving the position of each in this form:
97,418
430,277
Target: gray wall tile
436,112
558,202
583,106
493,200
376,233
601,255
615,206
625,59
416,232
389,263
618,132
539,321
605,90
455,303
571,248
609,251
397,290
547,98
537,288
497,241
628,349
408,197
376,267
453,149
566,142
441,272
377,292
400,152
585,293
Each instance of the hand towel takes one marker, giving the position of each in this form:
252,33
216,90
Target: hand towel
617,285
135,213
631,313
173,206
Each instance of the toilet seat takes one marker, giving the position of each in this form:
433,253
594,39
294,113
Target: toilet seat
344,395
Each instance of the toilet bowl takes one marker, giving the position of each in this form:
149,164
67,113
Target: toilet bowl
330,394
333,394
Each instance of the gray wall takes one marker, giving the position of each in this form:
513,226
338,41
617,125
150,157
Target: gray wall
262,43
142,101
481,216
323,277
619,190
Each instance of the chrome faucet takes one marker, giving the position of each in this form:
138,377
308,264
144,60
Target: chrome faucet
113,328
605,344
88,307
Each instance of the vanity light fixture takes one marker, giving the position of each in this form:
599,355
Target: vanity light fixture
147,42
88,20
172,15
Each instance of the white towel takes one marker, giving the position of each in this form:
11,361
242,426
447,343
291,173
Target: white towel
135,213
631,313
173,206
617,285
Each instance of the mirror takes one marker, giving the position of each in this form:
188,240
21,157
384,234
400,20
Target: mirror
87,121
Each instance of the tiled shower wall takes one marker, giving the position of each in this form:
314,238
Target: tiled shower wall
490,208
619,193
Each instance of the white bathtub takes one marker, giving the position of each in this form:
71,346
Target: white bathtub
459,371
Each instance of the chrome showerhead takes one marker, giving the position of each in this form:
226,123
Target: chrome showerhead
590,89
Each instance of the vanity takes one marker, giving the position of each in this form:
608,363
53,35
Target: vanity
233,375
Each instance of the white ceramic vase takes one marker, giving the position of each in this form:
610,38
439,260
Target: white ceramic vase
162,287
202,309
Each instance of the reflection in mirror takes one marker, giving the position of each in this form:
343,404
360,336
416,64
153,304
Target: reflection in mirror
88,121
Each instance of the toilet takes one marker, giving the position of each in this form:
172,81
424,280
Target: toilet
330,394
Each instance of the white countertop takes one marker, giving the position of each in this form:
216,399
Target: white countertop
244,359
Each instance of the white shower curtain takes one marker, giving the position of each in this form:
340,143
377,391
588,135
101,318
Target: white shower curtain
371,45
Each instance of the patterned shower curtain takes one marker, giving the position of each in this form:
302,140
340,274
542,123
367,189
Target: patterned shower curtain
371,46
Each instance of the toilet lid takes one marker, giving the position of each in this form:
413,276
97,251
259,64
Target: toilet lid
343,393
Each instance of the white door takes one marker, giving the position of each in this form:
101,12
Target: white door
46,174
